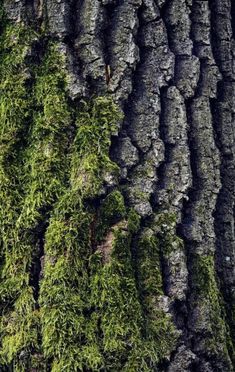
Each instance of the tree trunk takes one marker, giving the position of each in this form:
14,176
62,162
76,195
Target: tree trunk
117,185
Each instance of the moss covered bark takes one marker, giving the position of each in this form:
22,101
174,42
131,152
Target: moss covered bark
87,313
108,151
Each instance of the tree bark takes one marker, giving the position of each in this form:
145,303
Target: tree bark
117,183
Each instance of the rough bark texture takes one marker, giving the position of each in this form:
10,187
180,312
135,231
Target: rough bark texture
117,225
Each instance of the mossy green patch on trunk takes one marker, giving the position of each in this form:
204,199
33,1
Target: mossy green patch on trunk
207,296
69,326
160,332
19,321
83,307
115,298
166,223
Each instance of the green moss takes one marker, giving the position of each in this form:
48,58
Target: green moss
15,105
208,295
70,327
53,175
20,332
149,261
111,211
19,321
230,317
96,122
90,315
115,297
64,288
133,221
166,231
160,332
113,208
46,160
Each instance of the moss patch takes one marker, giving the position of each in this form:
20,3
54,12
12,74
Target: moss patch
80,312
160,332
69,326
19,320
166,231
208,297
